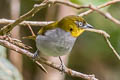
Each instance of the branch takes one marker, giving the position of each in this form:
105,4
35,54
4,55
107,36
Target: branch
106,36
107,15
24,23
44,61
112,48
99,32
99,7
6,29
37,7
15,42
32,23
93,8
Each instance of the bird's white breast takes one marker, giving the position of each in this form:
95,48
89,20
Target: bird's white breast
55,42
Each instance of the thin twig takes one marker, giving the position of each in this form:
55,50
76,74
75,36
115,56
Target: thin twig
48,63
41,66
106,15
15,42
14,47
99,7
33,34
110,45
106,36
24,23
99,32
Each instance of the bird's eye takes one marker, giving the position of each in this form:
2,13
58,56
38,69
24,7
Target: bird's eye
80,24
71,29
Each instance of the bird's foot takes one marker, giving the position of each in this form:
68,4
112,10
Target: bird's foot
36,56
62,65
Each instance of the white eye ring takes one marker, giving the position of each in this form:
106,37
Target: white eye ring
80,24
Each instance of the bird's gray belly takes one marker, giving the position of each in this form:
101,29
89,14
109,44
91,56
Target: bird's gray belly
55,43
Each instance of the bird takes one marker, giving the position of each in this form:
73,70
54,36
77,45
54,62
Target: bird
58,38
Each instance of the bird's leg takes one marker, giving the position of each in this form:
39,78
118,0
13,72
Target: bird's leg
62,65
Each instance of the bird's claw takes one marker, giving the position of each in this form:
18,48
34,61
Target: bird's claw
35,56
62,67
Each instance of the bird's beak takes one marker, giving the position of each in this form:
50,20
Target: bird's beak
88,26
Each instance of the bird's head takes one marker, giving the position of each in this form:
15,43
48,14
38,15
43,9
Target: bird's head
76,25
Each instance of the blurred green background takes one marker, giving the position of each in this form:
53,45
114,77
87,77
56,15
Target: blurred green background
90,55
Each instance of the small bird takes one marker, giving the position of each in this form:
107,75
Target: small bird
58,38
